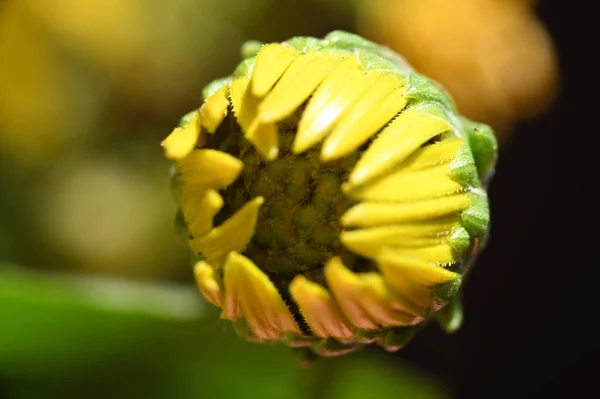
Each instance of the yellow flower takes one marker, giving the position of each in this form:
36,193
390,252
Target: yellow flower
332,195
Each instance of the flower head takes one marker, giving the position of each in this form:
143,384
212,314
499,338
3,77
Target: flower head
333,196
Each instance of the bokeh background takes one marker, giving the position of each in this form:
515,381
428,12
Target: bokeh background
96,290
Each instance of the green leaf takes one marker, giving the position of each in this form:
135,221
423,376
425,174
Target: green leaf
71,337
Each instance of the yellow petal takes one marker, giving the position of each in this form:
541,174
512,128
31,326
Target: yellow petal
413,278
408,185
441,254
249,289
319,309
378,302
297,83
374,110
338,91
396,142
182,140
364,299
370,242
208,286
214,109
377,214
233,235
440,153
199,209
344,285
272,60
429,228
232,301
209,169
261,134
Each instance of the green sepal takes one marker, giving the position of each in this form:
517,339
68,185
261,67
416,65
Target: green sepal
244,69
460,241
377,63
484,146
349,41
448,290
332,347
450,317
366,336
436,110
475,218
420,88
213,86
463,169
398,337
185,119
251,48
305,43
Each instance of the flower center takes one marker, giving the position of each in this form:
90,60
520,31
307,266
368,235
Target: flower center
298,225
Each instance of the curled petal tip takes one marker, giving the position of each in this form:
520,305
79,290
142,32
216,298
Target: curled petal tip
182,140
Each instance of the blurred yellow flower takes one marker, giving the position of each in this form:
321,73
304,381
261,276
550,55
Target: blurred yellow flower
63,60
493,56
42,100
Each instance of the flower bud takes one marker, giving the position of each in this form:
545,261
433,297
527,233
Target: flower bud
332,195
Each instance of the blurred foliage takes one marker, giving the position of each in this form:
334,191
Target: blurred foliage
74,337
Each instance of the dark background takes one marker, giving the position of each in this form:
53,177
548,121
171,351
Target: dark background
531,300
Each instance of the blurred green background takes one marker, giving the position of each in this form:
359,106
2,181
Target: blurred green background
96,291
